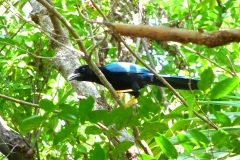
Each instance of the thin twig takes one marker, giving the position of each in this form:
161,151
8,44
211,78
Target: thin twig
95,46
190,14
142,143
65,22
99,11
14,34
207,59
22,102
15,12
19,101
165,102
230,62
91,34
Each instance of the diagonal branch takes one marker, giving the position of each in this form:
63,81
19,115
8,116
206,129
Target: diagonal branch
82,48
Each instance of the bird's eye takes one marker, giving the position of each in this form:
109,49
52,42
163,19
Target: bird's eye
83,69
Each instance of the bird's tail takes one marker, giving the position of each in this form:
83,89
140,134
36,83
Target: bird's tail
177,82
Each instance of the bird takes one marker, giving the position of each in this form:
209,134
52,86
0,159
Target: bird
130,78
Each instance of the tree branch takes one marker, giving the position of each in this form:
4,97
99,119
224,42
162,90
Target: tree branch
19,101
12,145
160,33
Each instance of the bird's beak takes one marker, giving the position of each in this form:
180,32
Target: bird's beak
73,76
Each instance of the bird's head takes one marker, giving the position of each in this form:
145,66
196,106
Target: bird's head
83,73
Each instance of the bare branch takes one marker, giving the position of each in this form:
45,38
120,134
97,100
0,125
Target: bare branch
160,33
19,101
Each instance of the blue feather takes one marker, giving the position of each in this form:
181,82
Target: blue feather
125,67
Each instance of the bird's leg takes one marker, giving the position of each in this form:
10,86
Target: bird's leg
134,91
130,102
136,94
120,94
125,90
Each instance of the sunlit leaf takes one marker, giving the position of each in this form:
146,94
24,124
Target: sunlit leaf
63,134
185,142
97,153
206,81
151,129
47,105
198,136
96,116
224,87
68,113
31,122
85,107
167,147
222,118
122,147
93,130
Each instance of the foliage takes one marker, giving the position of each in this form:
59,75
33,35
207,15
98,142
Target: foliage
64,126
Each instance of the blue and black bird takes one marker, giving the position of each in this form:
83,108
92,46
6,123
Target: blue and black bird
130,78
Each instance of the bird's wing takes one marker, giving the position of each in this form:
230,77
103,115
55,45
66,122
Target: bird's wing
126,68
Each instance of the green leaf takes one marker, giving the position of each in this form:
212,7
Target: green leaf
63,134
31,122
47,105
224,87
85,107
62,97
151,129
207,78
122,117
97,153
220,138
82,148
191,103
185,142
2,18
147,106
146,157
178,126
182,138
97,116
221,103
52,123
68,113
4,40
204,156
236,121
113,116
167,147
200,137
212,3
122,147
93,130
202,4
222,118
126,118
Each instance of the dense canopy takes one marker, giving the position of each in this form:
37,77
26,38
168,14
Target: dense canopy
43,42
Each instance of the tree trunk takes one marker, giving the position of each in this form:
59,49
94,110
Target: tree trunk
14,146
